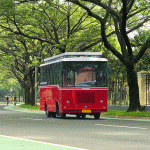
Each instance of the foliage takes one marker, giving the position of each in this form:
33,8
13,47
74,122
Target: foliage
138,39
31,29
125,113
9,85
44,28
37,107
72,30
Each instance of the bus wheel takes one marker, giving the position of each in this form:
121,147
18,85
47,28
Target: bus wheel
48,114
83,116
62,115
45,109
54,115
78,116
97,115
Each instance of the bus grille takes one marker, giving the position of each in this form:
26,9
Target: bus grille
85,97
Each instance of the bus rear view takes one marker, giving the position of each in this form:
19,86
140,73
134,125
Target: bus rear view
74,83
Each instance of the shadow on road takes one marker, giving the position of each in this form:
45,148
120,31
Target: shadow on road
75,118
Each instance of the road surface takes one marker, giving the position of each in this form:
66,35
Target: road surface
72,133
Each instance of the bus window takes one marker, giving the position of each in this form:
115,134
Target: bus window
43,75
68,77
85,76
101,76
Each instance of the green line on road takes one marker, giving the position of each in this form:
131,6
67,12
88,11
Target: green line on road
13,143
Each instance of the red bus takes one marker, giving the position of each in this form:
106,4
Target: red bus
74,83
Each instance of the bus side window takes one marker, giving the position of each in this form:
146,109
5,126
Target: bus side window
101,78
44,74
67,82
68,77
41,74
49,74
52,74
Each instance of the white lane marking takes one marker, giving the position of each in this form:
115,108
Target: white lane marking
30,118
147,120
121,126
117,133
43,142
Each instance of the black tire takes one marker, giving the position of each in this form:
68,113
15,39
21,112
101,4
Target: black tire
97,115
48,113
53,115
62,115
83,116
57,109
78,116
46,110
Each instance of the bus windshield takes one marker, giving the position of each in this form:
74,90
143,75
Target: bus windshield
84,74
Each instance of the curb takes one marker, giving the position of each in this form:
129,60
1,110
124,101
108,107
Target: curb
15,108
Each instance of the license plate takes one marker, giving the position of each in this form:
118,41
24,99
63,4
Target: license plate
86,111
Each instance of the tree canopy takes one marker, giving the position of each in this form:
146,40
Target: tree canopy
44,28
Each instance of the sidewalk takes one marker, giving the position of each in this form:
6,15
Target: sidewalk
13,143
15,108
10,103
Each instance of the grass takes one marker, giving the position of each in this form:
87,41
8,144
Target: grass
125,113
110,112
37,107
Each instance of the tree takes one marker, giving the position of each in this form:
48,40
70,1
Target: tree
19,59
22,24
72,30
19,52
138,39
9,85
127,17
38,21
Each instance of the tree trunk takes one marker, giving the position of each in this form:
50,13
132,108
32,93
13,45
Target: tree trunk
27,94
134,102
32,94
32,87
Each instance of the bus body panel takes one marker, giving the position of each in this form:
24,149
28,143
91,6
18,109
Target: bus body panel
49,95
78,100
74,100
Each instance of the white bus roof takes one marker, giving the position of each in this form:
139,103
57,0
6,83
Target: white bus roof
73,54
77,59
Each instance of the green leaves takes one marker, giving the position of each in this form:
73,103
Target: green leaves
7,7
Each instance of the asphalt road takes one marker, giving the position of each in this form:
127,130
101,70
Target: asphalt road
102,134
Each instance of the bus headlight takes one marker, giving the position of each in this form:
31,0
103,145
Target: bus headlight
101,101
68,101
85,106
